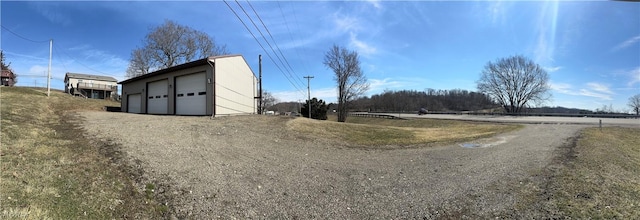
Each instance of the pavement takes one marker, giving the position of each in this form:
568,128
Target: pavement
627,122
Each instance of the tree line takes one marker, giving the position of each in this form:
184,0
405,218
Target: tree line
430,99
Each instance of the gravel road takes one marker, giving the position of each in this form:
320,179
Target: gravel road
255,167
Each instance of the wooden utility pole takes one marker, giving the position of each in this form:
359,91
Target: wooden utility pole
309,92
260,110
49,71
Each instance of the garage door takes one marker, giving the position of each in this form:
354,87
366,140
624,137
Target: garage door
191,94
157,97
133,103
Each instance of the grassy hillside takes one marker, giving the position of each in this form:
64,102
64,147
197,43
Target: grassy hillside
603,179
49,170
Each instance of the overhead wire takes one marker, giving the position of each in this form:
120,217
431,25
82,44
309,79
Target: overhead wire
306,68
267,41
260,44
20,36
82,64
274,42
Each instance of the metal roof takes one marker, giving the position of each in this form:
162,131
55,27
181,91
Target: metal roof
178,67
88,76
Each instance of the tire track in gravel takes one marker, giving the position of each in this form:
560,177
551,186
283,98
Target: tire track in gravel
253,167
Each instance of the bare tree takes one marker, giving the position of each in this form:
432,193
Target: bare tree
3,64
515,83
141,62
348,75
267,100
171,44
634,103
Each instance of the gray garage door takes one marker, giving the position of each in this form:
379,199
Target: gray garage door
157,97
191,94
133,103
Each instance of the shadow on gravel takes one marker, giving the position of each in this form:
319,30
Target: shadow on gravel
113,108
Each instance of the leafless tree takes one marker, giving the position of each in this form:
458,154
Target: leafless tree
348,75
634,103
267,100
171,44
141,62
515,83
3,64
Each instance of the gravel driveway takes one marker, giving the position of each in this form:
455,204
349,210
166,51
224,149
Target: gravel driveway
254,167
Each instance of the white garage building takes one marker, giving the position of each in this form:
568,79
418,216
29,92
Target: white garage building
219,85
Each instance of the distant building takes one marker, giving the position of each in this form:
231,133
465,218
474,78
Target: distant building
90,86
7,78
218,85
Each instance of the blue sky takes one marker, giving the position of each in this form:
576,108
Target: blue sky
590,49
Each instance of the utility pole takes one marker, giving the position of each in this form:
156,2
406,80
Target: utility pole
260,110
49,71
309,92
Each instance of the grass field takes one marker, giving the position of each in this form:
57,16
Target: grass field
376,132
603,179
50,171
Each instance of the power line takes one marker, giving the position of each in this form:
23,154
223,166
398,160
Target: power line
274,42
265,39
295,18
269,55
24,38
82,64
306,68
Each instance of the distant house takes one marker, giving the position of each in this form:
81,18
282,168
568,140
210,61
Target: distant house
90,86
8,78
218,85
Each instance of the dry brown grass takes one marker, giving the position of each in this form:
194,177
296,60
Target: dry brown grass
50,171
603,181
376,132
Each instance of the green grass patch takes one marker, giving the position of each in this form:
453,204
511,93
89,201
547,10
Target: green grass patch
603,181
50,171
375,132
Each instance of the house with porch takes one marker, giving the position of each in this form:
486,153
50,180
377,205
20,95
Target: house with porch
7,78
90,86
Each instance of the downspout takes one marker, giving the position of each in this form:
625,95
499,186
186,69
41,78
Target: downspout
213,86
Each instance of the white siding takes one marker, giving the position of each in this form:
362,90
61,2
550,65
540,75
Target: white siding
235,86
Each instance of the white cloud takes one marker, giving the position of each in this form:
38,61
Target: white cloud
552,69
375,4
544,50
379,85
38,70
593,89
50,12
328,94
561,88
387,83
589,93
497,11
599,87
635,76
362,47
627,43
345,23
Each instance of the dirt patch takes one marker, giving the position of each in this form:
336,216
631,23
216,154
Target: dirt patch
255,167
